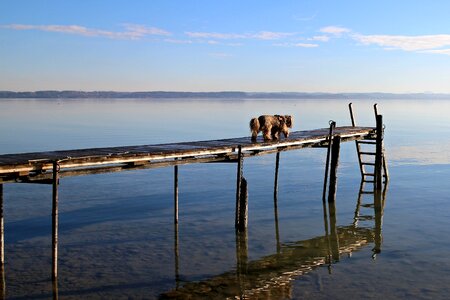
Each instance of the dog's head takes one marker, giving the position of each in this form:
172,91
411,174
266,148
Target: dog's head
289,120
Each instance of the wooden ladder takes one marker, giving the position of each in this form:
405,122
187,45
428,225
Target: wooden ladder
366,154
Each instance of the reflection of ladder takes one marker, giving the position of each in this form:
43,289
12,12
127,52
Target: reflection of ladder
366,154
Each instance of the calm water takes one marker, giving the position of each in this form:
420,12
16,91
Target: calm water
117,238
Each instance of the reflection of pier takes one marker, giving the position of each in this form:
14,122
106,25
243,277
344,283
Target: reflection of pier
50,167
270,276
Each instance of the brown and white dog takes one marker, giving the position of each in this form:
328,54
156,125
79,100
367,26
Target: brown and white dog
271,126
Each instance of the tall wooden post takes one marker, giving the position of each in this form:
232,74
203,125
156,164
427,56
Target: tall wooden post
177,257
378,182
327,163
243,206
55,220
238,185
2,246
277,165
175,194
2,229
334,166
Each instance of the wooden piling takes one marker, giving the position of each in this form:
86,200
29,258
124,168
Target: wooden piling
378,181
55,220
238,185
334,237
175,194
2,229
243,206
275,188
327,162
334,166
2,246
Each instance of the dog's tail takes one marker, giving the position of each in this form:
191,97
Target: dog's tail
254,127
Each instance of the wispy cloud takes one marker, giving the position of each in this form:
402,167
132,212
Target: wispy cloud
132,31
407,43
301,45
320,38
262,35
335,30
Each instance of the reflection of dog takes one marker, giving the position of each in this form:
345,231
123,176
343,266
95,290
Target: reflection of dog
271,126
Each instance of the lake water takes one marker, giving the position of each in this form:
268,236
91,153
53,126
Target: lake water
117,238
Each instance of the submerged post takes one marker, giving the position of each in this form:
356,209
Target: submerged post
334,166
175,194
378,182
55,220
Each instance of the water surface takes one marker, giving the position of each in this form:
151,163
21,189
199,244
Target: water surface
117,237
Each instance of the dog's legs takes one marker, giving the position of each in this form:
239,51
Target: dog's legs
267,133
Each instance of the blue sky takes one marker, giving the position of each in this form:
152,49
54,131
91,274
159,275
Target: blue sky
261,46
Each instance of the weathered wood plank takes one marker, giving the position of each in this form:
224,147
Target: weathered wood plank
17,165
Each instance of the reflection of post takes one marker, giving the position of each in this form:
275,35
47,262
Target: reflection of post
241,258
55,288
277,230
175,194
55,220
358,204
379,200
334,166
177,257
334,238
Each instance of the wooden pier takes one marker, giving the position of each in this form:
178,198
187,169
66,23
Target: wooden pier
50,167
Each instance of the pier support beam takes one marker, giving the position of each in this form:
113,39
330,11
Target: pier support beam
334,166
327,163
241,215
378,182
175,194
55,220
2,247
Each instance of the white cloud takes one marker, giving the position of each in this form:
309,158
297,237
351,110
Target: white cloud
306,45
438,51
175,41
133,31
262,35
335,30
320,38
404,42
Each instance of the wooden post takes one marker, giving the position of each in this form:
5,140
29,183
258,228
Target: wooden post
378,182
334,166
277,165
2,229
350,107
55,220
243,206
2,246
238,186
327,163
175,194
55,288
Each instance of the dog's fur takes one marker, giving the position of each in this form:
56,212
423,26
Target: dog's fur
271,126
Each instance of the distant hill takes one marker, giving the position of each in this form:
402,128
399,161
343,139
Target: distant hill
216,95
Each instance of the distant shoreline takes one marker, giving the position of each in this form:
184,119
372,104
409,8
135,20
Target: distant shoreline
214,95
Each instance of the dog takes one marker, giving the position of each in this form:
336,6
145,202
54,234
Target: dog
271,126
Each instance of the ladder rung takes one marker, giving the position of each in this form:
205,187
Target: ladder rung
367,192
367,142
368,163
373,181
369,174
367,153
367,205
